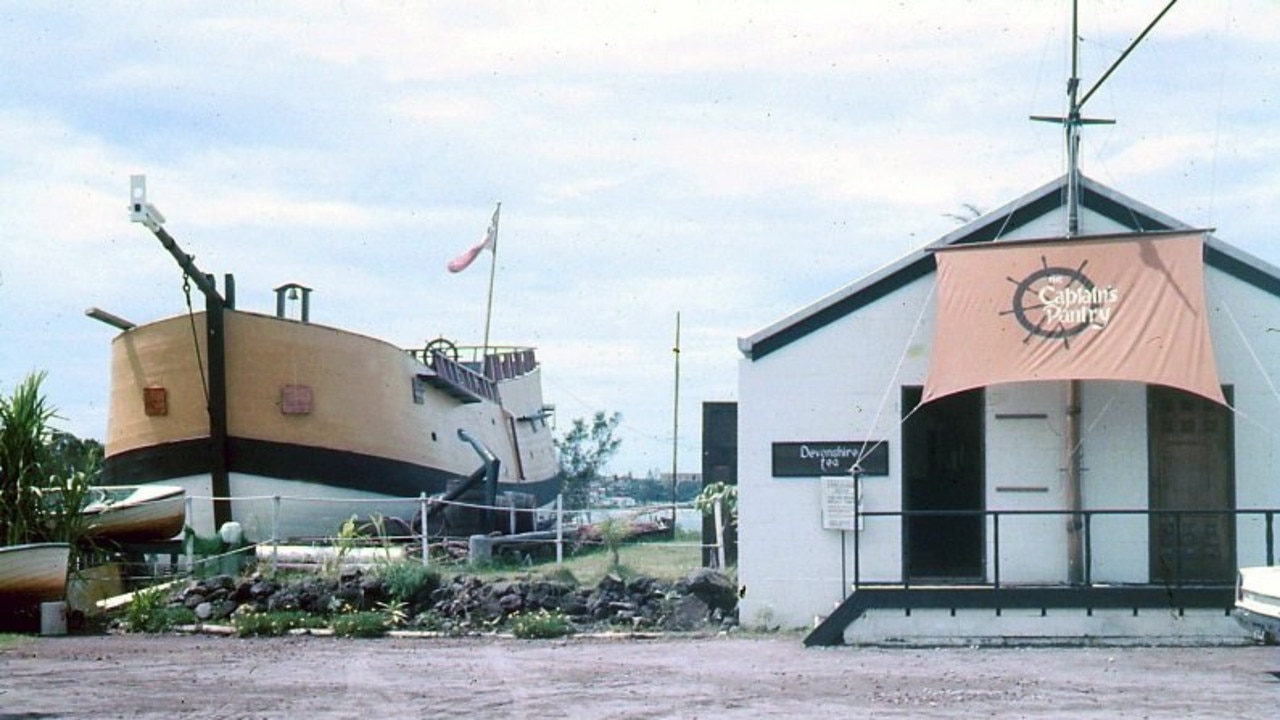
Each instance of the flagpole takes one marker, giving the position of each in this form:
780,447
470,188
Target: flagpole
493,269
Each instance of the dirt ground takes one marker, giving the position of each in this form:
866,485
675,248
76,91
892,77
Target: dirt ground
136,676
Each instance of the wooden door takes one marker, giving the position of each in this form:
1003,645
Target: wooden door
1192,461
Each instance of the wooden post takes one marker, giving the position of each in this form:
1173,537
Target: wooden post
190,538
275,533
719,517
426,544
559,529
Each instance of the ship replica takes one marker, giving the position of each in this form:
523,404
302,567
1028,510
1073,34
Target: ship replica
291,428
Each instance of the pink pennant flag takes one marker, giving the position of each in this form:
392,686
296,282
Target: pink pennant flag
490,242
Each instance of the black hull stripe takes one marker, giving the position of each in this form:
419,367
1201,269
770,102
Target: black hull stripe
285,461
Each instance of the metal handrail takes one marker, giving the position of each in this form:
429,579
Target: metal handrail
1087,517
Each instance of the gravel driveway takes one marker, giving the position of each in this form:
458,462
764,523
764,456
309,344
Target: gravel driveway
138,676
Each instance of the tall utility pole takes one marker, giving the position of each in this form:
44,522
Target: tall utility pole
675,428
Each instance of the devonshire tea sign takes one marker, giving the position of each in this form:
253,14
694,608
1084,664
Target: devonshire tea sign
815,459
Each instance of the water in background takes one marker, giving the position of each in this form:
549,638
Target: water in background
687,518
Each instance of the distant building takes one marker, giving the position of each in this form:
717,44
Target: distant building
652,489
681,478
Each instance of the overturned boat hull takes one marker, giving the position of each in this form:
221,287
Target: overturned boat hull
135,513
33,574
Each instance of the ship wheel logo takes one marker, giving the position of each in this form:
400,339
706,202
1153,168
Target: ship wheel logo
1035,303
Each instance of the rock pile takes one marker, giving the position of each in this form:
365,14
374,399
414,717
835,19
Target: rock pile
704,599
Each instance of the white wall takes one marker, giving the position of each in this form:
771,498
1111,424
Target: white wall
841,383
1249,359
1024,471
1114,476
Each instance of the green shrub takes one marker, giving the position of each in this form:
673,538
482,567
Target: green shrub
613,533
540,625
394,613
724,494
428,621
365,624
270,624
150,612
408,581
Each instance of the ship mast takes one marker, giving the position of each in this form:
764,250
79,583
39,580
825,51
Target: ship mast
141,211
1072,123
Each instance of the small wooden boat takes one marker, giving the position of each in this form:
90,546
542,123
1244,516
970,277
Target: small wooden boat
1258,601
135,513
33,574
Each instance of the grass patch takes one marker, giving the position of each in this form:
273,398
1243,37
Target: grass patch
660,559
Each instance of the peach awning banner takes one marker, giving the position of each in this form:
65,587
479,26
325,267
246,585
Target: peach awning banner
1125,307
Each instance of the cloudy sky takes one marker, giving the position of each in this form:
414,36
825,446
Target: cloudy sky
730,162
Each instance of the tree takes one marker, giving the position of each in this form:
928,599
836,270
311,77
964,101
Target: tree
69,454
583,451
44,473
24,453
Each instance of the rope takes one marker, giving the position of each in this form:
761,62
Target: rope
195,337
1257,361
902,360
1089,430
1266,428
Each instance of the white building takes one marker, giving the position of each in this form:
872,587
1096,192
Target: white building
844,377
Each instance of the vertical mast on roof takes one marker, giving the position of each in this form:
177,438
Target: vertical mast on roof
1073,120
1072,124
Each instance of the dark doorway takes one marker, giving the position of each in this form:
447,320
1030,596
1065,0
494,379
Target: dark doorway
1191,465
719,465
943,470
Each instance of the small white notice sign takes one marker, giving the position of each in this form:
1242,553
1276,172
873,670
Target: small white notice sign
840,503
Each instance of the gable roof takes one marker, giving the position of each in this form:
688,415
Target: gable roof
1046,199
